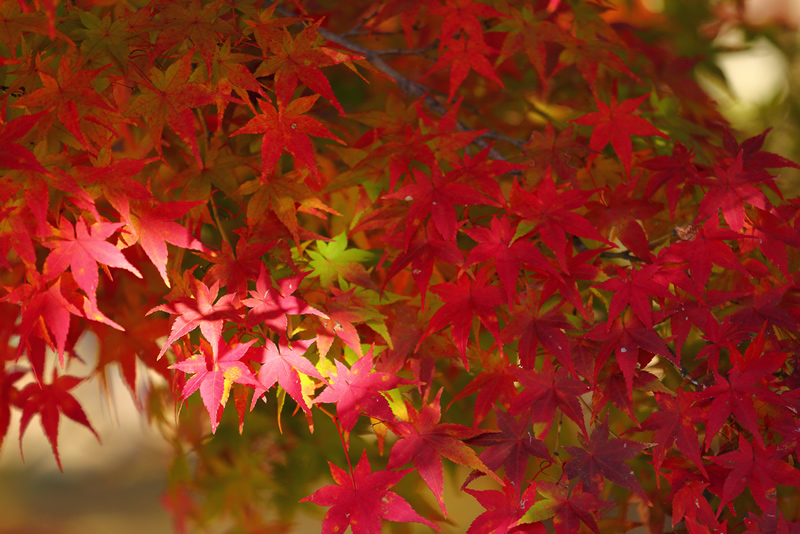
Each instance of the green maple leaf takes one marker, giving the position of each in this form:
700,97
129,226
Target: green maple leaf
334,261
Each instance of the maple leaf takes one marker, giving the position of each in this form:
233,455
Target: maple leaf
463,54
612,387
568,506
284,196
551,214
728,191
544,391
358,389
436,195
634,287
735,395
334,261
509,253
624,336
705,249
214,374
462,301
153,227
45,314
425,441
281,364
510,447
362,499
772,235
50,401
532,327
81,248
504,510
758,468
235,269
497,382
690,505
566,285
555,152
12,154
8,397
463,15
299,59
615,123
270,306
602,457
425,247
200,311
618,214
754,160
287,128
168,97
675,423
672,172
62,94
202,25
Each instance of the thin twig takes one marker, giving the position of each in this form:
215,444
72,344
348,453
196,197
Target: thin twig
405,84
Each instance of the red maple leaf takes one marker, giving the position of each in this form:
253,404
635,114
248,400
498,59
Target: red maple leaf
690,505
282,364
544,391
8,397
50,401
736,394
461,55
551,213
728,190
362,499
496,383
675,423
12,154
533,327
568,506
168,97
358,389
299,59
61,95
510,448
436,195
214,374
623,337
424,441
287,128
271,306
425,247
758,468
672,172
602,457
634,287
615,123
45,314
704,250
202,25
504,510
154,227
463,301
200,311
81,248
509,253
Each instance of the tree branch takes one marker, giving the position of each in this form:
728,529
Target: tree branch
405,84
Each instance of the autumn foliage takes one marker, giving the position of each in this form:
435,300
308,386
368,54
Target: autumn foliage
510,235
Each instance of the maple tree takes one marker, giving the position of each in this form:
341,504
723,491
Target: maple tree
423,233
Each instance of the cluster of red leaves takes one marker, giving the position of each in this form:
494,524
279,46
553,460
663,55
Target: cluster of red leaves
594,267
